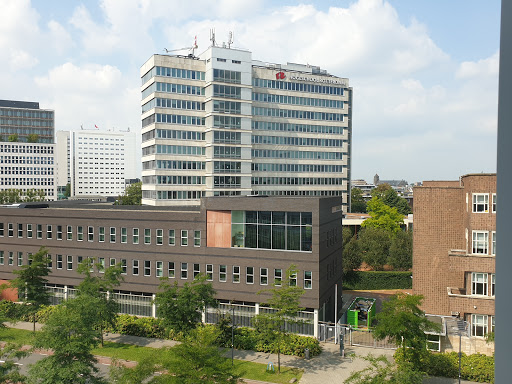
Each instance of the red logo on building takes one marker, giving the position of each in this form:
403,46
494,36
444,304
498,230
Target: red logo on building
280,76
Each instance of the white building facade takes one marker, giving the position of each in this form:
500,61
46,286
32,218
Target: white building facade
28,162
224,124
95,163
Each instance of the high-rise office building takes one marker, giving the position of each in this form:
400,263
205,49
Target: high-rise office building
94,162
27,143
225,124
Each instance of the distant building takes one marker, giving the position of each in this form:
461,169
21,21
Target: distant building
454,255
23,165
94,162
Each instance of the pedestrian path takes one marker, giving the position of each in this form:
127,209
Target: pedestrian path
328,367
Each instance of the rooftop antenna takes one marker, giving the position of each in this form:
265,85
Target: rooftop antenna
191,49
212,37
230,39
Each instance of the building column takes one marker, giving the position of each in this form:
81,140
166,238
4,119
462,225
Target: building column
315,323
153,306
257,309
65,293
203,315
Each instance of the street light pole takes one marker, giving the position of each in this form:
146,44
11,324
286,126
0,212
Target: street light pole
232,334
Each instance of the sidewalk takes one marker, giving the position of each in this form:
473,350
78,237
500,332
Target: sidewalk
328,367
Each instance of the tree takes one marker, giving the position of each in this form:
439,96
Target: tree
31,282
98,285
67,191
374,245
70,333
32,138
404,323
383,216
180,307
358,204
34,195
400,251
13,138
381,371
285,302
132,195
380,190
352,257
390,197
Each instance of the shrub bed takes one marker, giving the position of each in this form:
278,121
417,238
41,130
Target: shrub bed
372,280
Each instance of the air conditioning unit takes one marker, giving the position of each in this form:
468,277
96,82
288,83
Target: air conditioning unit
455,314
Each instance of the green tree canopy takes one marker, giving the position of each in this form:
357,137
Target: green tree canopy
32,138
383,216
31,283
358,204
285,302
374,245
352,255
132,195
400,251
67,192
13,138
382,371
390,197
179,307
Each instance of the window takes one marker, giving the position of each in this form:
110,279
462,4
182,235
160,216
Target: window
135,235
124,235
478,325
49,261
494,201
197,270
159,237
2,229
101,262
147,236
263,276
101,234
159,268
249,276
308,280
20,230
278,277
29,231
170,269
48,231
112,262
70,262
10,227
59,261
434,342
480,202
172,239
70,232
209,272
236,274
1,257
223,269
11,258
184,270
80,233
479,283
293,279
184,237
39,231
480,242
90,234
493,246
147,268
123,266
59,232
493,284
20,259
112,234
493,325
135,267
197,238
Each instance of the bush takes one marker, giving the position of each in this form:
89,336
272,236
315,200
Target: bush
476,367
371,280
139,326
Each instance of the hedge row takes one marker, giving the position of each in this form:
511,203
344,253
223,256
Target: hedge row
476,367
371,280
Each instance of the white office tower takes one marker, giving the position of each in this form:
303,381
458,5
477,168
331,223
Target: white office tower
224,124
95,163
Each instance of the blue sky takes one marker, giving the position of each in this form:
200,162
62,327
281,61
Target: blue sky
424,73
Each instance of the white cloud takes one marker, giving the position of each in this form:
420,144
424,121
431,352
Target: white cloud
488,67
19,60
59,36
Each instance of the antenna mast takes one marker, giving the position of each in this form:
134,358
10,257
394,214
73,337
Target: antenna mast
230,39
212,37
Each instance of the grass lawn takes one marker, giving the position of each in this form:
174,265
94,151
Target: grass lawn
13,335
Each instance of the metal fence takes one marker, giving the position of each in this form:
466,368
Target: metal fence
364,338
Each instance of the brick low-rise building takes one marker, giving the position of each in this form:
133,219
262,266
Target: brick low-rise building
454,255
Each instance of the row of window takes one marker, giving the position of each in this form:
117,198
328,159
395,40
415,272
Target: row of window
273,167
297,141
278,154
178,180
300,87
194,195
227,122
30,113
26,122
481,203
480,243
297,114
172,72
26,160
26,148
225,106
26,181
226,181
173,164
226,91
173,150
173,195
481,286
480,324
102,234
179,119
227,167
227,137
172,88
26,171
289,127
173,134
173,103
227,152
227,76
297,100
296,181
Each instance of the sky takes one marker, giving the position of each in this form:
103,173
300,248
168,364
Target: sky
424,73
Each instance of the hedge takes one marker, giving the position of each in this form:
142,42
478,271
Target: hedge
476,367
372,280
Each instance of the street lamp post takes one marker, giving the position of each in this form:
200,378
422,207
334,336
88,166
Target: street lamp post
232,334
